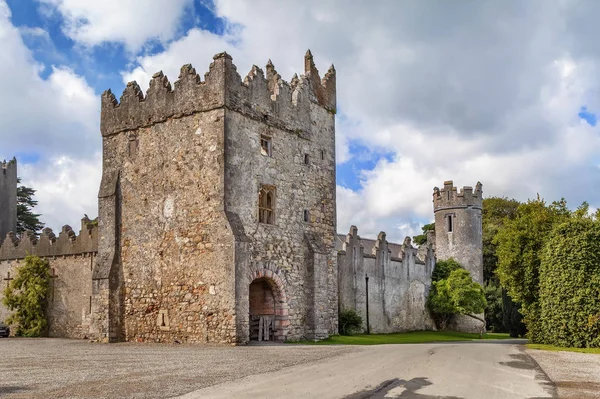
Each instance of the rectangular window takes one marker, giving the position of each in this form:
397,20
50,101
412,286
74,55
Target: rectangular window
265,145
306,159
266,205
306,215
449,217
322,155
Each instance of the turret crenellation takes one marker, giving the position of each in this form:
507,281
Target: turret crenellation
450,197
257,95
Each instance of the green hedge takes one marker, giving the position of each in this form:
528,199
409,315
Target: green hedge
569,306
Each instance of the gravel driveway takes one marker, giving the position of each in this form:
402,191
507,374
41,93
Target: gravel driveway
575,375
60,368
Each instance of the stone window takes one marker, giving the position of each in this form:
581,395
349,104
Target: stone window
449,223
266,205
132,146
266,146
306,159
322,155
306,215
163,320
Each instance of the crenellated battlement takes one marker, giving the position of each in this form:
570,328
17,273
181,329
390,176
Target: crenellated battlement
48,244
449,197
371,248
261,96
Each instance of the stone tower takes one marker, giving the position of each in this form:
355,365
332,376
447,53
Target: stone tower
8,197
458,234
217,208
458,226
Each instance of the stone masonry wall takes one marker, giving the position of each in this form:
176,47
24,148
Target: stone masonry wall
399,281
71,258
176,244
299,253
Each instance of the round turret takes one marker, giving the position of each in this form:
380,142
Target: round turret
458,230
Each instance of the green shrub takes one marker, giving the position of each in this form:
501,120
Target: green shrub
569,305
350,322
456,294
443,268
27,296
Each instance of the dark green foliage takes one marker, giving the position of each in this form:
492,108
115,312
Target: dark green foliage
422,238
350,322
494,314
443,268
519,244
26,219
512,318
569,294
27,297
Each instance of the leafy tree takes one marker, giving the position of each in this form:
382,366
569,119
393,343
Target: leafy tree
458,294
519,244
422,238
27,296
496,211
453,291
350,322
569,292
26,219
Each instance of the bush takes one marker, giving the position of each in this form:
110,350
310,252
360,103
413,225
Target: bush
443,268
350,322
456,294
27,296
569,305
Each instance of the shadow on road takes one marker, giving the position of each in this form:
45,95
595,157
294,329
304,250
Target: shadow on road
398,388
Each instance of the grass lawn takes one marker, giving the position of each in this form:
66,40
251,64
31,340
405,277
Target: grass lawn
416,337
559,348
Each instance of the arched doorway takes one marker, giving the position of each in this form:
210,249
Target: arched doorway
268,315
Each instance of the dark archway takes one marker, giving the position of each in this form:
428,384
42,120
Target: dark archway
268,311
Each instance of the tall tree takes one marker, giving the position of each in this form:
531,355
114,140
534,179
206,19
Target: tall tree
519,244
26,219
496,211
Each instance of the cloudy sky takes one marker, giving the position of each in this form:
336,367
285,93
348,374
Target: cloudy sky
502,92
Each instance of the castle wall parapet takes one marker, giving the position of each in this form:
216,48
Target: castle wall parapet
49,245
264,97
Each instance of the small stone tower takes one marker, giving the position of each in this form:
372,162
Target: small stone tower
8,197
458,235
458,226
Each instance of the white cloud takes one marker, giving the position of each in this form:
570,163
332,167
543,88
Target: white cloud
132,22
482,91
56,119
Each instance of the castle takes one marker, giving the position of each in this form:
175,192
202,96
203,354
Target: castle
217,221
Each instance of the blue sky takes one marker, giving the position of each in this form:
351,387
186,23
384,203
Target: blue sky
430,92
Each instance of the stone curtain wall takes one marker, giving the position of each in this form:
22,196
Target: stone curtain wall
179,205
399,281
71,258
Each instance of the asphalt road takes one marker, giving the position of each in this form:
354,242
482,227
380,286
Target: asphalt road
463,370
55,368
